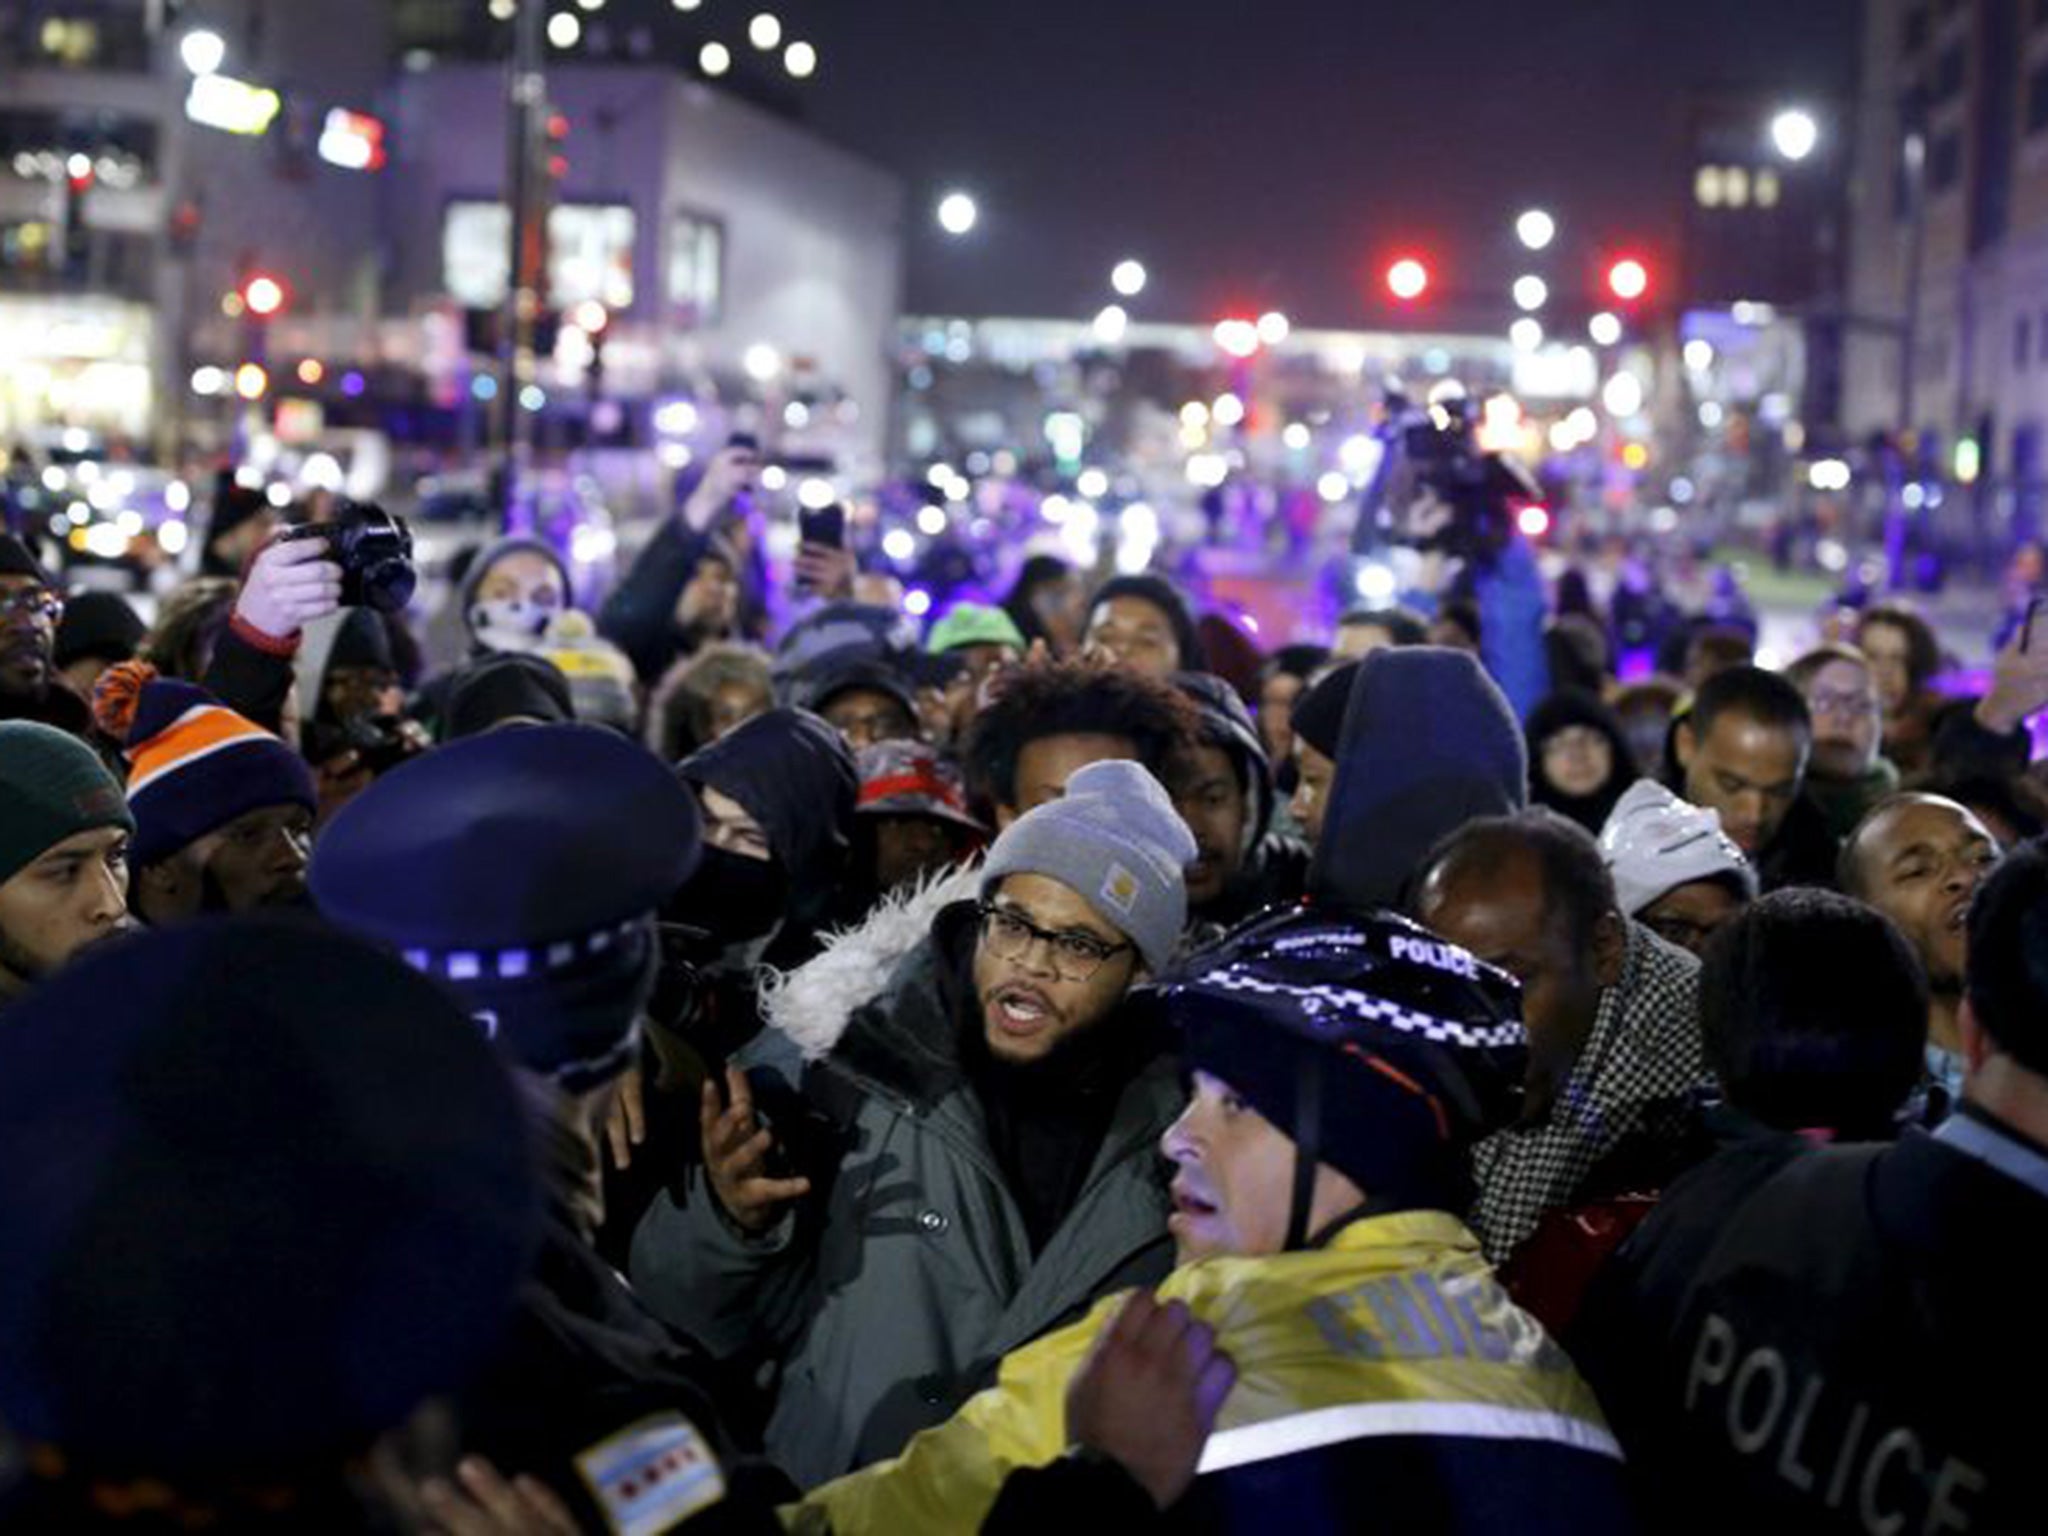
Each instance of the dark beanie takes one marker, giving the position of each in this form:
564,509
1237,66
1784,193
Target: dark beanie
1166,597
100,625
233,505
1429,743
1319,712
16,560
504,686
52,786
282,1193
362,641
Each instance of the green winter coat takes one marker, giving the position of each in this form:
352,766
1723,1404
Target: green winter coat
889,1296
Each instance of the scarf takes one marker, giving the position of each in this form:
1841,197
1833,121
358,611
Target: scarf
1643,1053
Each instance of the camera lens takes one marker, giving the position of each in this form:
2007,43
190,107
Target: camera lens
388,584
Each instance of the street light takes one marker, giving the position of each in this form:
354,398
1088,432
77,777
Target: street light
1794,133
765,32
1526,335
1535,229
203,52
1531,292
801,60
957,213
564,29
1128,277
1604,328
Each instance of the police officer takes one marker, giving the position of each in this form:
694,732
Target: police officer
522,870
1342,1067
1838,1339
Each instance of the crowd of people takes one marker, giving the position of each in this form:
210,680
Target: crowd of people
576,1066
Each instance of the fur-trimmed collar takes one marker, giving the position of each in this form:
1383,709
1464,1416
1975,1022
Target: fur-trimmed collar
813,1004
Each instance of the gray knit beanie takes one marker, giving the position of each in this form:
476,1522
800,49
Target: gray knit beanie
1116,841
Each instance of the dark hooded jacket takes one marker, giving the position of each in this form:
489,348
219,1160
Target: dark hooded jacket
793,774
1559,712
1275,867
1429,744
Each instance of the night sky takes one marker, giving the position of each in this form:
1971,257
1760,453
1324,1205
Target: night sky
1272,155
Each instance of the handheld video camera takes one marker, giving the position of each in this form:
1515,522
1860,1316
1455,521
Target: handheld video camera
1435,488
374,551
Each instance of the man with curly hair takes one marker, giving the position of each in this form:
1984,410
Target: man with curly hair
1046,721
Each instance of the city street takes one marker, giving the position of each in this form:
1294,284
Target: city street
946,766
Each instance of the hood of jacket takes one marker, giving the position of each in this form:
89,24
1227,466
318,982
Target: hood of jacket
1429,743
794,775
1560,711
813,1004
1228,725
490,555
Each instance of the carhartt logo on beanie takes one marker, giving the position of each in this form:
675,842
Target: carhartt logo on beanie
194,764
1116,841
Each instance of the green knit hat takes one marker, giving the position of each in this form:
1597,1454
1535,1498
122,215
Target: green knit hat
973,624
51,788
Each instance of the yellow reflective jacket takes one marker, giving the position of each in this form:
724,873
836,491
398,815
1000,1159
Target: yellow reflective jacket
1390,1358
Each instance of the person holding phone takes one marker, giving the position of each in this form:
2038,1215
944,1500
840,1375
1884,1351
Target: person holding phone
824,564
644,616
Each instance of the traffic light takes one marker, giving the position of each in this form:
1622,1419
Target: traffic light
1408,279
558,139
263,295
1628,279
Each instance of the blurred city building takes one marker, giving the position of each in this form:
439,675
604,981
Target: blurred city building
317,191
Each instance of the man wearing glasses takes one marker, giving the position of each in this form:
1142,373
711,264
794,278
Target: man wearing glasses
29,611
970,1159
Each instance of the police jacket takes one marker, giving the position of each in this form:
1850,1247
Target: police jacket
1385,1383
1833,1340
889,1295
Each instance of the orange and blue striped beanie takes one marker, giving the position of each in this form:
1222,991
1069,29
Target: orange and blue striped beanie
195,765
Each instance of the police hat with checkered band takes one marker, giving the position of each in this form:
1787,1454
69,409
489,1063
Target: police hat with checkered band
1376,1047
522,869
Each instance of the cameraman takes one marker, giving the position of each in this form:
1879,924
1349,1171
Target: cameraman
1438,494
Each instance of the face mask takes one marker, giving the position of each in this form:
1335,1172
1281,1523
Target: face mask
732,898
510,623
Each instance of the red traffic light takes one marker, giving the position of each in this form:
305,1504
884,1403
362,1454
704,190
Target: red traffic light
1407,279
263,295
1628,279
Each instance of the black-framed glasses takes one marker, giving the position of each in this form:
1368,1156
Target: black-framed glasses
1075,956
